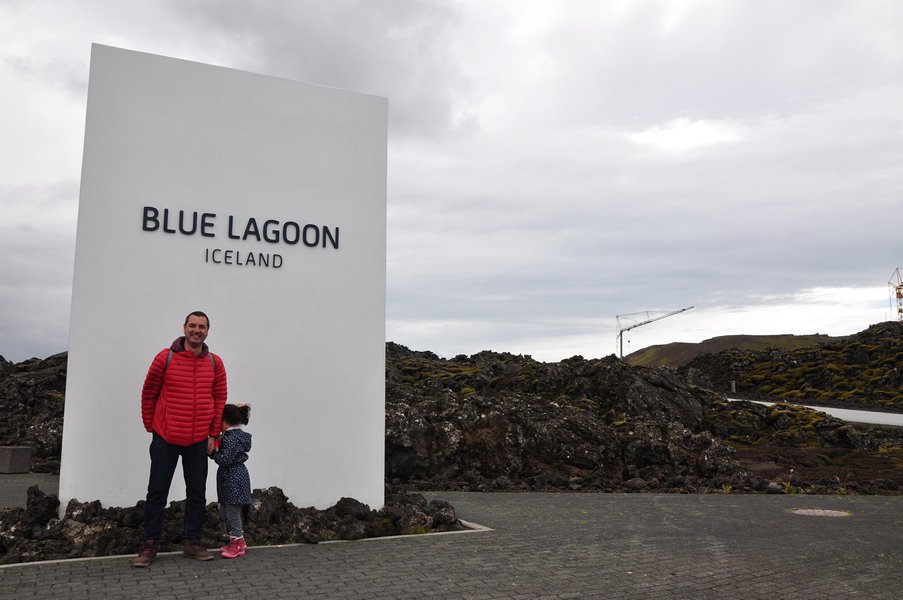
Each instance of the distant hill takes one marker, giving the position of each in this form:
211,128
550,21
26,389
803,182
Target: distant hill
679,354
862,370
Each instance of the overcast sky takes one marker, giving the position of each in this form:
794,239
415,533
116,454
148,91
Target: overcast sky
552,164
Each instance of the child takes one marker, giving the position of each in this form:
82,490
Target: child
233,484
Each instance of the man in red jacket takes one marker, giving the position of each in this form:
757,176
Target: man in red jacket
181,406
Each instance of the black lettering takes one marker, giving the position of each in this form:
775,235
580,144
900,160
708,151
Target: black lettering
271,231
229,233
316,234
235,257
151,222
207,224
291,233
328,235
166,227
194,222
251,229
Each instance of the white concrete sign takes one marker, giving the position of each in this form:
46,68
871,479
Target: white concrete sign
262,202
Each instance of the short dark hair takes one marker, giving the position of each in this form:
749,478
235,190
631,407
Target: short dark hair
196,313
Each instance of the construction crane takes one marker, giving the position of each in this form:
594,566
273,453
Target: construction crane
896,291
648,320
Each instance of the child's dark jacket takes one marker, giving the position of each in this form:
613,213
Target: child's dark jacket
233,484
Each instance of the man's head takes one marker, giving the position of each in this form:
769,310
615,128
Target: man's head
197,313
196,327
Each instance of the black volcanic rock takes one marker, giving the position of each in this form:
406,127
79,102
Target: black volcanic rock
31,400
88,529
495,421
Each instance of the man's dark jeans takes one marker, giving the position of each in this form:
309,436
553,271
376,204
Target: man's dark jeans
164,457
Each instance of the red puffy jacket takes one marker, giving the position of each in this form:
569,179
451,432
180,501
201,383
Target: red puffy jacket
183,402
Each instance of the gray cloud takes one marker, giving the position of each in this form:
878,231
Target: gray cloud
551,164
394,49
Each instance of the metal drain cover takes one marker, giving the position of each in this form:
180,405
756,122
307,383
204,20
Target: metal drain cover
818,512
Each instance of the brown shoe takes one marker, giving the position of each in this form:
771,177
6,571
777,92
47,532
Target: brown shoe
196,551
147,552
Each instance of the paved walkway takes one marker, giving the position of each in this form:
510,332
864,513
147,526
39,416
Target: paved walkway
653,546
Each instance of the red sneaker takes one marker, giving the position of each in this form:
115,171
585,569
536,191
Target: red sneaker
235,548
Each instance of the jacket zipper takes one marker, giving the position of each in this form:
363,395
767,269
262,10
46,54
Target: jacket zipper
194,399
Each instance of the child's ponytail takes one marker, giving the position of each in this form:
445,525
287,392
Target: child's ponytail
237,414
245,411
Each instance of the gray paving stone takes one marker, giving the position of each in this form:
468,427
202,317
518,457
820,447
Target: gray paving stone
546,546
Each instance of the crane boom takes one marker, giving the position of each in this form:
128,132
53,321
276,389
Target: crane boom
621,330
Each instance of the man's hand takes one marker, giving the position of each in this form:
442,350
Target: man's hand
211,442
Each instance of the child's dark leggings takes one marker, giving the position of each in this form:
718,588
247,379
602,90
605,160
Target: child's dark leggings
231,516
